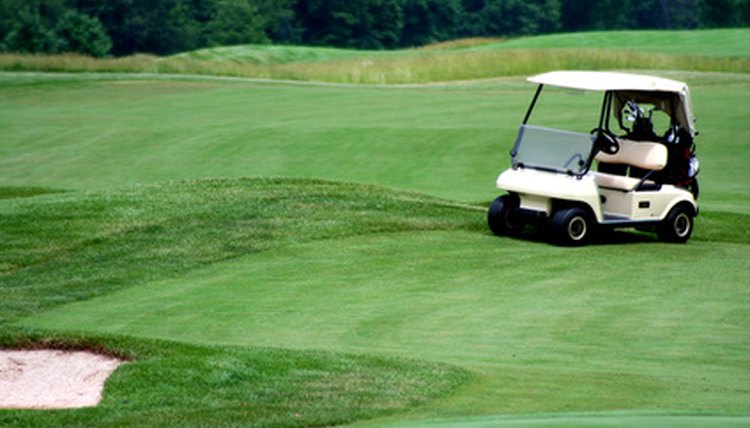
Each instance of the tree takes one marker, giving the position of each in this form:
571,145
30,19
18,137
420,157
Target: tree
81,33
743,9
582,15
30,35
363,24
428,21
513,17
718,13
236,22
682,13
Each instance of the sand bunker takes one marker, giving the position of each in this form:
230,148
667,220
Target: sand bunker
52,379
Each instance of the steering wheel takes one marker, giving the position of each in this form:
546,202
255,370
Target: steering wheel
606,141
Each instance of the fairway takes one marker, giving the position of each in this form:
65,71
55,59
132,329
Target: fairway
449,141
602,333
280,254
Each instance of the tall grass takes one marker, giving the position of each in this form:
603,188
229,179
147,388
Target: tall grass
419,67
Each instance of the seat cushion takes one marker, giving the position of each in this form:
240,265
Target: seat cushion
617,182
644,155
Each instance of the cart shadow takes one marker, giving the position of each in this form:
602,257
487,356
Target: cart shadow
601,238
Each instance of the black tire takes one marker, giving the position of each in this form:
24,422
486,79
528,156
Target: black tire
501,216
678,226
571,226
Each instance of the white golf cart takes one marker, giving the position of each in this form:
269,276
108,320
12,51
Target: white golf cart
576,182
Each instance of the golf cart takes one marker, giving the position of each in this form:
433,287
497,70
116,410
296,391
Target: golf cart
621,174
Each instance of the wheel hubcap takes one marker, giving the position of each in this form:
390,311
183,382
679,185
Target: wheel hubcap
577,228
682,225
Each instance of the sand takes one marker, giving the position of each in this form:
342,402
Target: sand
49,379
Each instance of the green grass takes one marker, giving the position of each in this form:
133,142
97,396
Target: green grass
365,289
610,317
715,50
167,384
588,420
709,43
24,192
60,249
281,54
449,141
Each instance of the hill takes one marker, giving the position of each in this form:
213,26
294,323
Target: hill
730,43
716,50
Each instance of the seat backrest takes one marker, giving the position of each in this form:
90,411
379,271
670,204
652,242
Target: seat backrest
641,154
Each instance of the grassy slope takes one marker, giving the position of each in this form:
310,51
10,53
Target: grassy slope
720,43
723,43
720,50
57,249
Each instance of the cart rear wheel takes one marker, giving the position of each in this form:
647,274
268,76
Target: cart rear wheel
571,226
678,226
501,216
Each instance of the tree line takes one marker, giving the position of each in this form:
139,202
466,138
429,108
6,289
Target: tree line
123,27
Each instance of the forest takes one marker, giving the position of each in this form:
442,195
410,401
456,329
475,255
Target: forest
105,28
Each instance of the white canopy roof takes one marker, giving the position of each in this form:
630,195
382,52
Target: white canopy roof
611,81
607,81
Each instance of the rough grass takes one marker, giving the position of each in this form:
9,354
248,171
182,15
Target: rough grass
75,246
397,69
668,50
57,249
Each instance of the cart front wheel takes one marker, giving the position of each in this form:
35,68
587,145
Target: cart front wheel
501,217
571,226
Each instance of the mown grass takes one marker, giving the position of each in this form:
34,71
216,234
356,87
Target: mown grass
452,63
310,265
166,384
235,266
450,141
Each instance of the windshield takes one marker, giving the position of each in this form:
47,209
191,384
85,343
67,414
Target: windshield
552,149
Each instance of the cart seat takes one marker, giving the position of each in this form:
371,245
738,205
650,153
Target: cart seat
641,154
645,155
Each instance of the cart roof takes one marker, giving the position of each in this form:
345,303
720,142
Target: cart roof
607,81
611,81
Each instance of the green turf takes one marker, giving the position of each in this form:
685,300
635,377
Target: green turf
164,384
700,51
60,249
595,420
720,42
449,141
598,339
280,54
380,289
